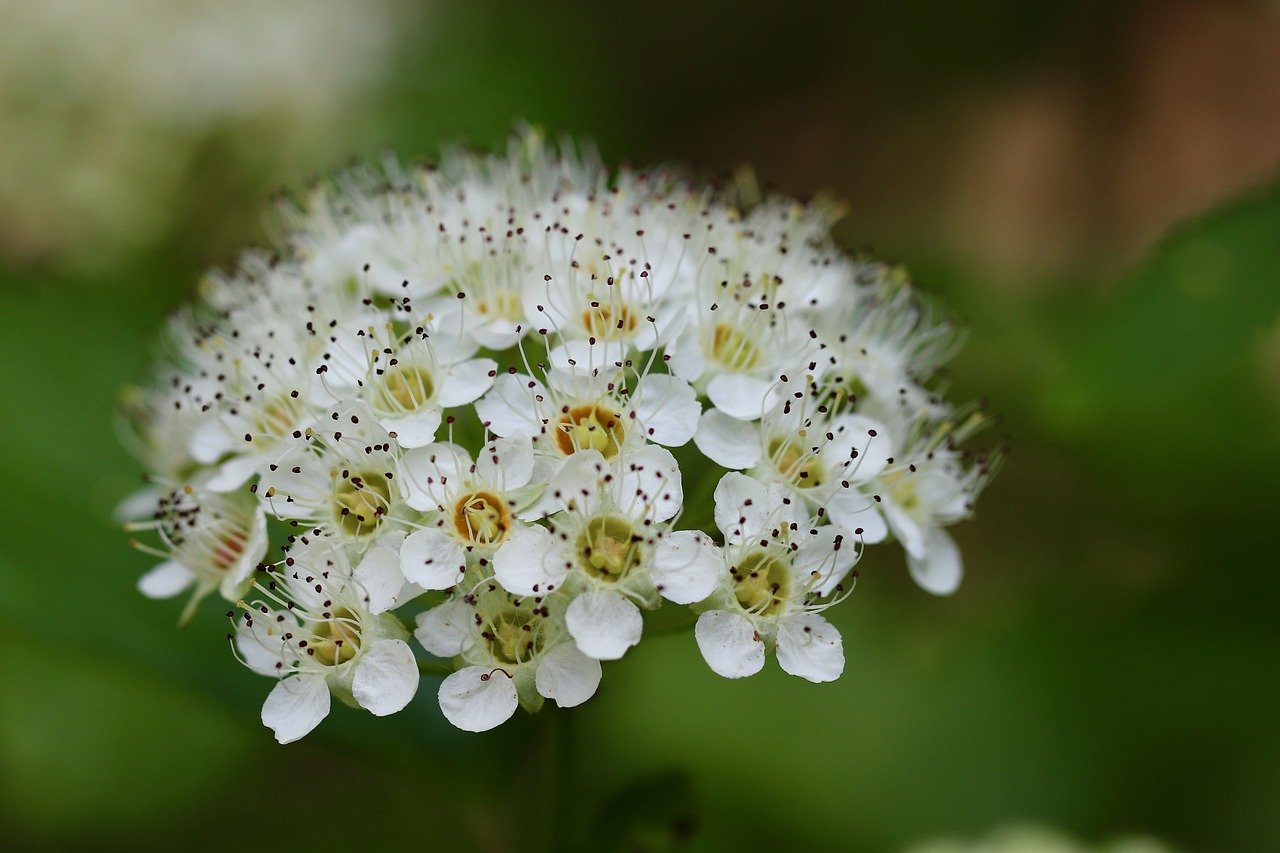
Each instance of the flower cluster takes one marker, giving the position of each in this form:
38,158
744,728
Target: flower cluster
457,392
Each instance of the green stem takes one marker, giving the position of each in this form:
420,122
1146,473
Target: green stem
557,762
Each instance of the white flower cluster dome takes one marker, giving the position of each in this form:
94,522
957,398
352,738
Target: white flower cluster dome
512,404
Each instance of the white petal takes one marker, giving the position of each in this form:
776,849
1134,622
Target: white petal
445,630
810,647
529,562
379,579
912,535
511,407
431,559
738,395
465,382
416,428
667,409
429,475
940,570
830,554
727,441
497,334
649,484
209,441
478,698
506,463
684,355
567,676
729,644
859,514
861,445
233,474
166,580
295,706
140,504
604,624
742,507
686,567
577,483
386,677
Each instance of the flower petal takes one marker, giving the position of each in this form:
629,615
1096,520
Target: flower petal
379,579
415,429
466,381
686,567
727,441
529,562
941,568
506,463
649,485
445,630
166,580
604,624
729,644
478,698
511,407
567,676
742,507
386,677
859,514
738,395
810,647
667,409
295,706
431,559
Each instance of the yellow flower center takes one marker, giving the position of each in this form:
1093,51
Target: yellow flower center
605,321
731,347
481,518
762,583
590,427
406,388
337,639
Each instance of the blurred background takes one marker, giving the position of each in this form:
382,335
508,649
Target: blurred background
1089,185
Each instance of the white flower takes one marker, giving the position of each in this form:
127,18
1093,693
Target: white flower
823,457
881,344
211,541
611,548
778,566
746,318
339,479
314,631
473,506
608,411
931,486
406,378
515,650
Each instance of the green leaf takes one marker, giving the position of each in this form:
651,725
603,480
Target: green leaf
1168,378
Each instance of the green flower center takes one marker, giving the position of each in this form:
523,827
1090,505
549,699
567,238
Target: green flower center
513,637
337,639
361,500
798,464
608,548
590,427
762,583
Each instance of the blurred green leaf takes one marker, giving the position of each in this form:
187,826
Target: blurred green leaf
1165,376
654,812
